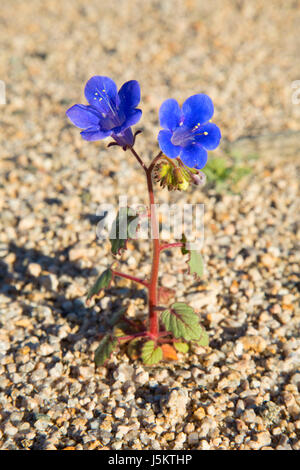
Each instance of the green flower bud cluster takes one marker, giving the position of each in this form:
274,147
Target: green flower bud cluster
174,175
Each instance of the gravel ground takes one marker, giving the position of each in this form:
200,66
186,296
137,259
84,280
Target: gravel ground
242,392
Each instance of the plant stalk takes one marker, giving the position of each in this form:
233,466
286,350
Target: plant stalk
156,248
131,278
152,289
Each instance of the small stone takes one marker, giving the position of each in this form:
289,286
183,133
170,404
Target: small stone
50,282
208,425
238,348
81,252
189,428
38,374
119,413
26,223
121,431
142,377
255,274
10,430
56,371
261,439
123,373
255,343
42,423
45,349
204,445
168,280
86,372
193,438
34,269
199,414
249,416
268,260
176,403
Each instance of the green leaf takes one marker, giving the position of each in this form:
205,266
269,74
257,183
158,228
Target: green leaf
122,229
184,251
204,340
106,346
182,321
195,262
151,354
181,347
102,282
121,329
116,316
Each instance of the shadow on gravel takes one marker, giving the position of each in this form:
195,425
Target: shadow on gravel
58,264
19,285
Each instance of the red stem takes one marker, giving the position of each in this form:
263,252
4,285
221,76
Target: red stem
132,278
165,246
152,285
153,300
129,337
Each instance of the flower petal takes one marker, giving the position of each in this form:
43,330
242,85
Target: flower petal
83,116
101,92
94,133
129,94
208,135
197,109
164,140
169,114
132,118
125,138
194,156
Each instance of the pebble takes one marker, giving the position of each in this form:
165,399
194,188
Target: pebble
50,282
176,403
34,269
27,223
193,438
142,377
124,373
262,439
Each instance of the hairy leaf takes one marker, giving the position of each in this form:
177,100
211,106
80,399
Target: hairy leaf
102,282
106,346
121,329
195,263
181,347
122,229
151,353
182,321
204,339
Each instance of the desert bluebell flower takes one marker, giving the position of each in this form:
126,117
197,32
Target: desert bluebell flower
187,132
109,113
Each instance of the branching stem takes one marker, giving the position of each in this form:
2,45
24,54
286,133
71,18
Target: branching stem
156,248
131,278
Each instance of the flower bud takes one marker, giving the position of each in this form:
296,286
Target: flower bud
199,179
171,175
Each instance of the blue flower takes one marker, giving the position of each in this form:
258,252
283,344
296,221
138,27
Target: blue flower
187,132
109,113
